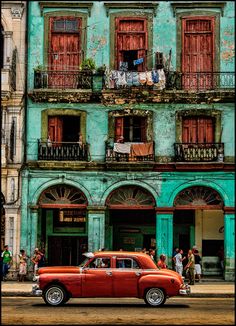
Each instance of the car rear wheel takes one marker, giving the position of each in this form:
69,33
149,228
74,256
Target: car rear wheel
155,297
55,295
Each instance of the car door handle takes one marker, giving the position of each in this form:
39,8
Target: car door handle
109,273
138,273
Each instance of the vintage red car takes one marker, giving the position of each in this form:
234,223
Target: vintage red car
110,274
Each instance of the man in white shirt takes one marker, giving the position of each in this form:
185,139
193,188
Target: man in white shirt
179,262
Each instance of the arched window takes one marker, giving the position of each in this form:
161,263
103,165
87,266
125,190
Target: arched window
198,196
130,197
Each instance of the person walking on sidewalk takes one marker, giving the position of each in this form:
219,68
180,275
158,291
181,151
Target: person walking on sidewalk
198,270
178,259
6,261
22,265
190,267
35,260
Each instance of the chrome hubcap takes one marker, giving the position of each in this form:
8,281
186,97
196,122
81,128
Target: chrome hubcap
155,296
54,295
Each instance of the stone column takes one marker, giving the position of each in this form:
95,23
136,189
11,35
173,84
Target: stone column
229,244
96,227
164,233
7,56
34,228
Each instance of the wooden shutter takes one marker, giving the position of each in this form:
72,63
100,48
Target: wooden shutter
198,51
198,130
55,129
64,50
131,34
119,128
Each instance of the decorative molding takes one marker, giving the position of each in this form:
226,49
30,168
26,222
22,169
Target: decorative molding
164,210
197,5
131,5
17,12
229,210
66,4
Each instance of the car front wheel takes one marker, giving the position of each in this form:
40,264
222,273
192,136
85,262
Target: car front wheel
55,295
155,297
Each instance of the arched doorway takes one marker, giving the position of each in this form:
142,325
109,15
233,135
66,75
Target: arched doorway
131,218
2,222
199,220
62,225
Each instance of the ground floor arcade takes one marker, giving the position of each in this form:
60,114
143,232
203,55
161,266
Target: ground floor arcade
71,215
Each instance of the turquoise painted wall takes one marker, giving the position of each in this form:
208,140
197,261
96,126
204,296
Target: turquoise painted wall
98,34
164,125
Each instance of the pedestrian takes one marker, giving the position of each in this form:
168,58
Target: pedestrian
35,260
178,259
175,251
198,270
190,267
42,260
6,261
162,262
22,265
151,253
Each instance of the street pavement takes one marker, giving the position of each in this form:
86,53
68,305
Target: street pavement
217,289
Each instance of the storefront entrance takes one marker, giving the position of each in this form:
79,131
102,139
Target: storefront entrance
62,225
66,251
131,219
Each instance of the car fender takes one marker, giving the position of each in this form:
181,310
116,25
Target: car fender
169,284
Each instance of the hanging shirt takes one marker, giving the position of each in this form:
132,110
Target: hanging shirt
138,61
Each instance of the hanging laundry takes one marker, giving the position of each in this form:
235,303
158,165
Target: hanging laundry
162,79
142,78
123,66
149,78
136,78
129,78
155,76
138,61
121,78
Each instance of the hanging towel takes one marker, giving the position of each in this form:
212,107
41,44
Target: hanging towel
142,149
129,78
122,148
121,78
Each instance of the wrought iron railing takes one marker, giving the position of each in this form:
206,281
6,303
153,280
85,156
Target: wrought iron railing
63,151
112,155
65,79
200,81
202,152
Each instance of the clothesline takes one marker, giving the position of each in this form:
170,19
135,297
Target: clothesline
117,78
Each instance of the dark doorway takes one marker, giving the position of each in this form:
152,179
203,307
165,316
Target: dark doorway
71,128
66,251
130,56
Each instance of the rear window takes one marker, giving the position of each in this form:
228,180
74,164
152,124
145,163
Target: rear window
126,263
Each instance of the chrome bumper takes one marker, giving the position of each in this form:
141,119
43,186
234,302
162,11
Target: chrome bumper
36,290
185,290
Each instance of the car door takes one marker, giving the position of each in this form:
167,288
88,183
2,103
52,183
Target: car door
125,277
98,279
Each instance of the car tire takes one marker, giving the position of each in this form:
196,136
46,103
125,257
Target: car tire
155,297
55,295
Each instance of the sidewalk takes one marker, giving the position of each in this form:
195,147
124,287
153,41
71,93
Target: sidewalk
205,289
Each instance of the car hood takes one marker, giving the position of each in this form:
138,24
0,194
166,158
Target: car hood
59,269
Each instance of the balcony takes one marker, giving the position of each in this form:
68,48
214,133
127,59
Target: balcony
202,152
63,151
130,152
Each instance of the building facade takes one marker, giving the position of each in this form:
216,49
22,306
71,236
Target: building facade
13,43
130,124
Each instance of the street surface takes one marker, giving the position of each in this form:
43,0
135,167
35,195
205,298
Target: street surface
105,311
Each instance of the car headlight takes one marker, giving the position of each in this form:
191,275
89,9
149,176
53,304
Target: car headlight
36,279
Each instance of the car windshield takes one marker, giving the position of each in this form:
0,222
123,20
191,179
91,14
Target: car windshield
84,262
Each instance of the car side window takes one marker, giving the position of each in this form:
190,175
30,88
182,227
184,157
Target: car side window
126,263
100,263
